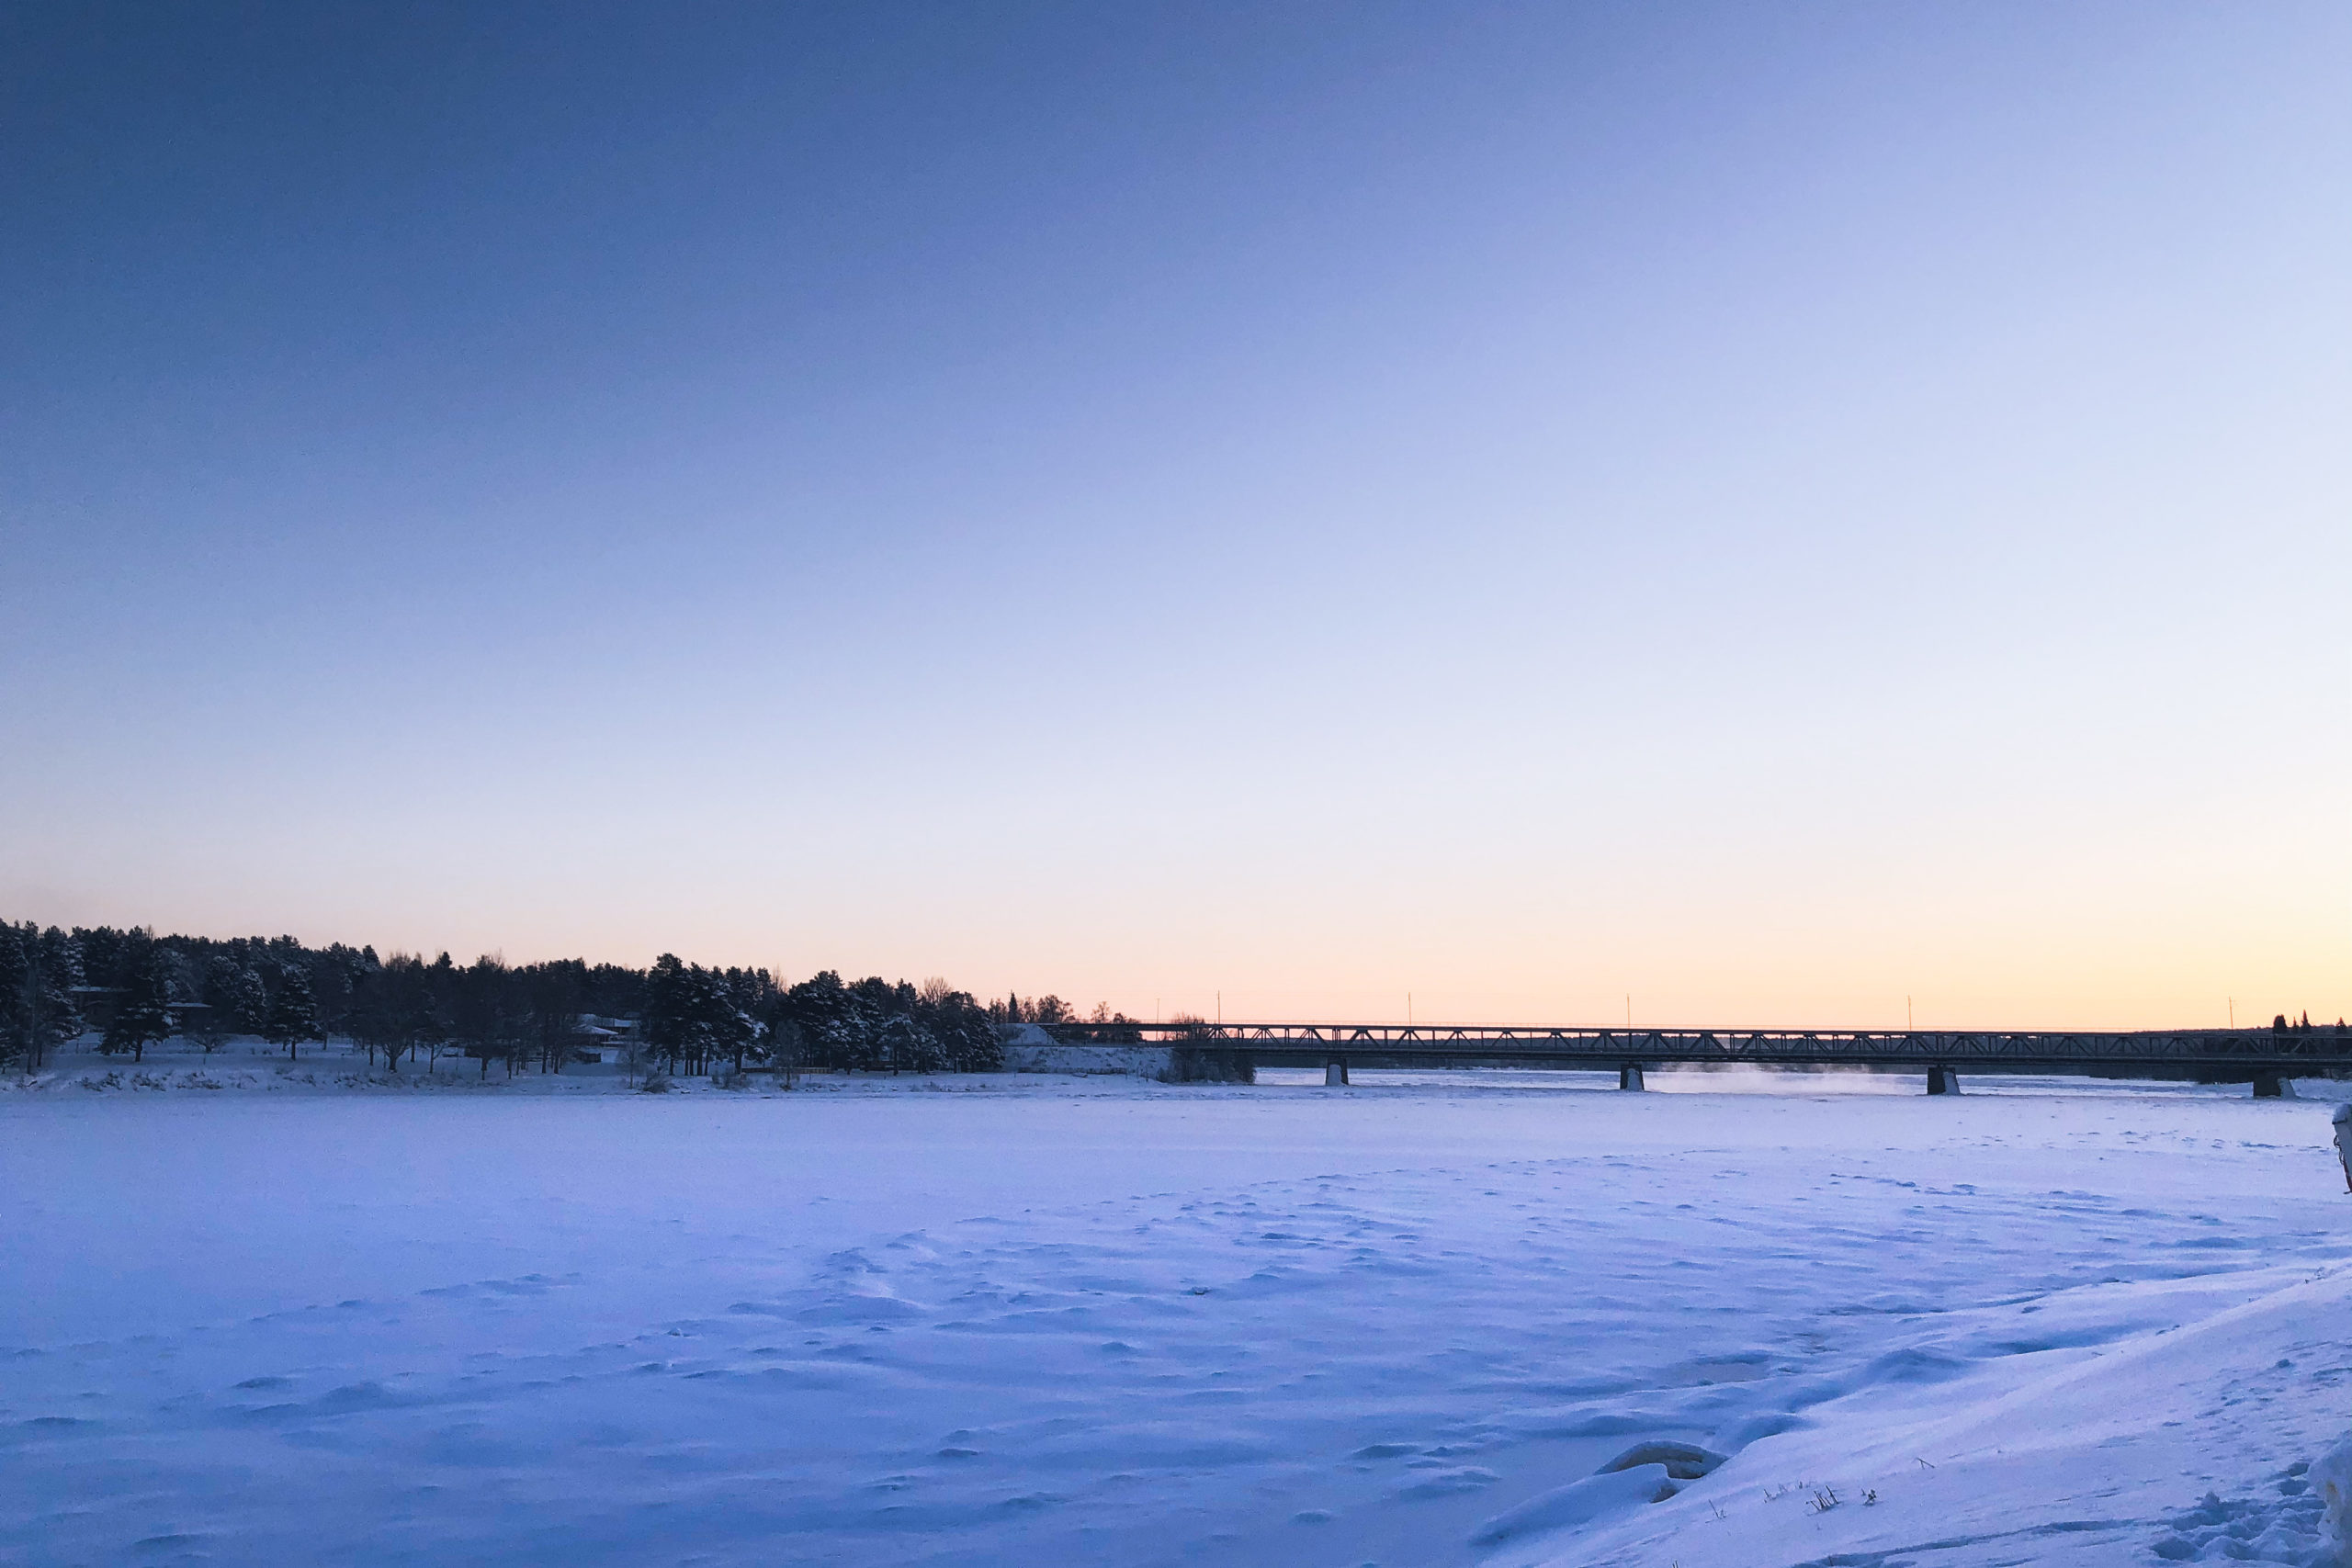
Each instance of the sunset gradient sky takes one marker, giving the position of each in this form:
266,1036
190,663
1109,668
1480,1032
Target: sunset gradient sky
1770,510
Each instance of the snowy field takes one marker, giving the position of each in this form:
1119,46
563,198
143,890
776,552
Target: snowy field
1028,1320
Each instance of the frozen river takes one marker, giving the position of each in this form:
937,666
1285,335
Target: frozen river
1031,1320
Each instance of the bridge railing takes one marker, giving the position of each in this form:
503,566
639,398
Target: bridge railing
2239,1050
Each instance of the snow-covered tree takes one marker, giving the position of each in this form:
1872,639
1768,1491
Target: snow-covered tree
691,1018
293,1014
235,995
831,1028
905,1046
143,1003
667,1024
39,971
969,1040
726,1011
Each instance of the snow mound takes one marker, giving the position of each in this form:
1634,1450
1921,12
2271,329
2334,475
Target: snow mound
1031,1050
1579,1503
1683,1461
2332,1477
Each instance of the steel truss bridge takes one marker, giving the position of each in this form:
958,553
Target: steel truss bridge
2262,1056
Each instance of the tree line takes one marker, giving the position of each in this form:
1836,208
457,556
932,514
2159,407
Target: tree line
137,990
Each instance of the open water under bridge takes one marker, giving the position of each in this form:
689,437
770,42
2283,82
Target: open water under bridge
2264,1057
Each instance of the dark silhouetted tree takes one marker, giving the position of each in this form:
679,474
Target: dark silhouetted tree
552,996
236,996
40,974
293,1014
142,1002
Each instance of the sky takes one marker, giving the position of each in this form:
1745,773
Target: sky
1812,514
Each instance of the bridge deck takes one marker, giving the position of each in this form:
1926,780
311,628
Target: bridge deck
2234,1051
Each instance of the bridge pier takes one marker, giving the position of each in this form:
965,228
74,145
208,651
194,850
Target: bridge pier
1335,1073
2272,1086
1942,1080
1630,1075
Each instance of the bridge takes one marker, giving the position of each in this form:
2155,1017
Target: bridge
2264,1057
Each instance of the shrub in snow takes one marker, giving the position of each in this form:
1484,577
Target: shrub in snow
1192,1064
654,1084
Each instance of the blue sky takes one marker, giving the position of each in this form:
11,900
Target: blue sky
1765,510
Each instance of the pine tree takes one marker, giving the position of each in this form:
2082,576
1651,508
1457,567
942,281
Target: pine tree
293,1013
143,1010
969,1040
424,1024
725,1023
101,949
39,971
785,1043
487,1017
669,1010
210,1025
691,1018
871,1002
20,963
901,1045
819,1008
552,997
432,1021
237,996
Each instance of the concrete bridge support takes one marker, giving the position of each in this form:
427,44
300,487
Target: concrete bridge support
1630,1075
2271,1086
1335,1073
1942,1080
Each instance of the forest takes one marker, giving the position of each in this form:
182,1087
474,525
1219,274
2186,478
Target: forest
134,990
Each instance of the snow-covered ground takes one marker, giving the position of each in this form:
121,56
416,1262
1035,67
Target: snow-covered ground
1035,1320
